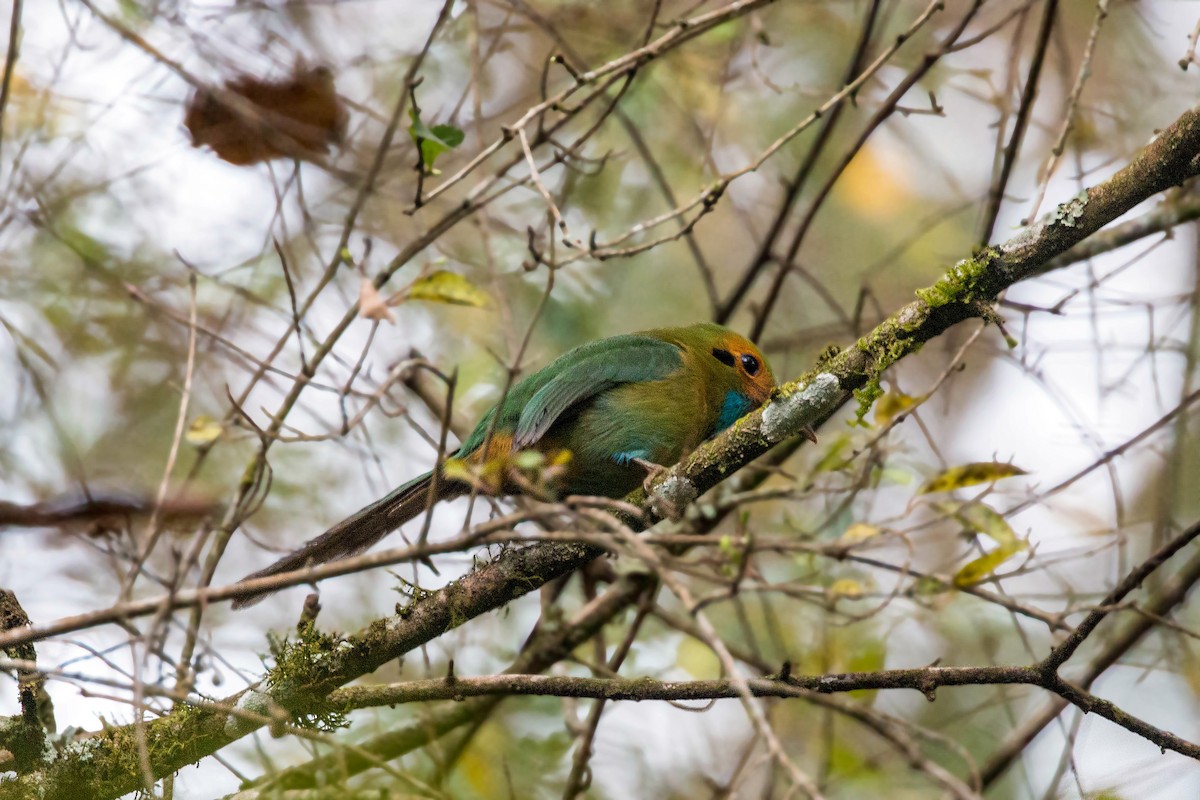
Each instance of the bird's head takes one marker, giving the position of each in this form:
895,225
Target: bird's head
739,364
736,374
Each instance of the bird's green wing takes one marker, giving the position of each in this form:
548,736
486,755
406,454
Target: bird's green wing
587,371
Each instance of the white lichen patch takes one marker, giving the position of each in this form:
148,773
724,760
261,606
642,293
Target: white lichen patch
68,745
787,416
1068,213
252,702
909,315
674,494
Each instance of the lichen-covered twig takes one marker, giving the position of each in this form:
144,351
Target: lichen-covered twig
22,737
966,291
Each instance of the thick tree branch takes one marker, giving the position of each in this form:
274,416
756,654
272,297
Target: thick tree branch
968,290
1114,646
926,680
106,766
544,649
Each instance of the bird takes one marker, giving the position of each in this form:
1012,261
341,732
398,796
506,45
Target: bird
603,414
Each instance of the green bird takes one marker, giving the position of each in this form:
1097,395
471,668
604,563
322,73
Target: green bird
602,414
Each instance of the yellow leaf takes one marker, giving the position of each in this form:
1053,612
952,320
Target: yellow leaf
203,430
969,475
455,469
492,473
441,286
528,460
980,568
981,518
893,404
860,532
846,587
697,659
833,460
478,764
371,304
874,185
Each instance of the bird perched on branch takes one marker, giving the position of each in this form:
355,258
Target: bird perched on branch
591,422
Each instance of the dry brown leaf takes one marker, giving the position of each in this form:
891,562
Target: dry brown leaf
298,117
371,303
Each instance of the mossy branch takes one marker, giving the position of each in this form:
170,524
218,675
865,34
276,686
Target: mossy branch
967,290
107,766
23,737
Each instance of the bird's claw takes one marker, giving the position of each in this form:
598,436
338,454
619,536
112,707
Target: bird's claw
808,433
652,471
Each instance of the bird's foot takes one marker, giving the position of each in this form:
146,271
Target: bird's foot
652,471
808,433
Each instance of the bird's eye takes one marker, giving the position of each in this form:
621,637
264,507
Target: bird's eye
724,356
750,364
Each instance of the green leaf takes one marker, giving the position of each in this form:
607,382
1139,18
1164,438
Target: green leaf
441,286
432,141
894,475
969,475
927,586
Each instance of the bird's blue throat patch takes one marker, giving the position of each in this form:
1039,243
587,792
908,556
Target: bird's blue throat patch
735,407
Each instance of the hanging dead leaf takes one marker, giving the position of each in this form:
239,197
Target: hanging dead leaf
371,303
981,568
969,475
981,518
298,117
442,286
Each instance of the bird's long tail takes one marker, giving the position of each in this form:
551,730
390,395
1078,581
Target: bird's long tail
360,530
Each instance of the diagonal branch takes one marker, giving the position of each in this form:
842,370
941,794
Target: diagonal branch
926,680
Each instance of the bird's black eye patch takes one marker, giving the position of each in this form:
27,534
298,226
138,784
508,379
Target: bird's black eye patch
724,356
750,364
